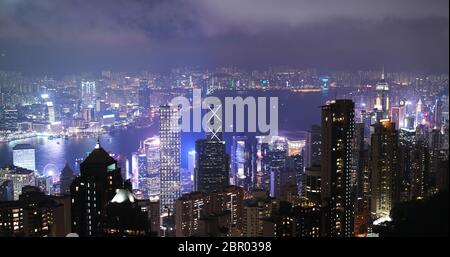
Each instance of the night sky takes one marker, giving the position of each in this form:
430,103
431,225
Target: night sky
71,36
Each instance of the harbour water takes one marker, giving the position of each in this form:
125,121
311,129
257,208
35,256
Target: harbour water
297,112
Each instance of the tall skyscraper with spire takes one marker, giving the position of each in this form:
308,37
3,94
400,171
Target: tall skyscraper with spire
383,102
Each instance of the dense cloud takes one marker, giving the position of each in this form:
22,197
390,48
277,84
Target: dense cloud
71,36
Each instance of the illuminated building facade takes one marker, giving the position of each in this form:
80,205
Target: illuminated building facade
151,182
24,156
420,177
313,144
293,175
242,168
407,141
255,210
196,211
282,222
169,157
51,112
384,168
336,165
35,215
262,178
275,164
312,184
88,93
308,219
382,100
189,209
212,165
99,179
20,178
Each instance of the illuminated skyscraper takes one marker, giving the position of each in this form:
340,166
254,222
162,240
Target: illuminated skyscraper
138,167
325,85
261,172
212,165
191,164
295,166
100,179
152,178
366,120
312,185
51,112
337,137
398,115
382,88
24,156
169,157
242,169
420,177
88,92
384,168
438,114
187,175
313,144
406,145
102,203
360,169
276,164
419,110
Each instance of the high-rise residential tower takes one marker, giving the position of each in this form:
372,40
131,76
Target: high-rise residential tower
336,165
383,168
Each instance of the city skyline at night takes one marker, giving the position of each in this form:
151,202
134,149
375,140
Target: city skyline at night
224,120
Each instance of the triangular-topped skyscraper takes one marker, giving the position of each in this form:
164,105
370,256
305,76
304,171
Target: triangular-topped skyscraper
91,192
